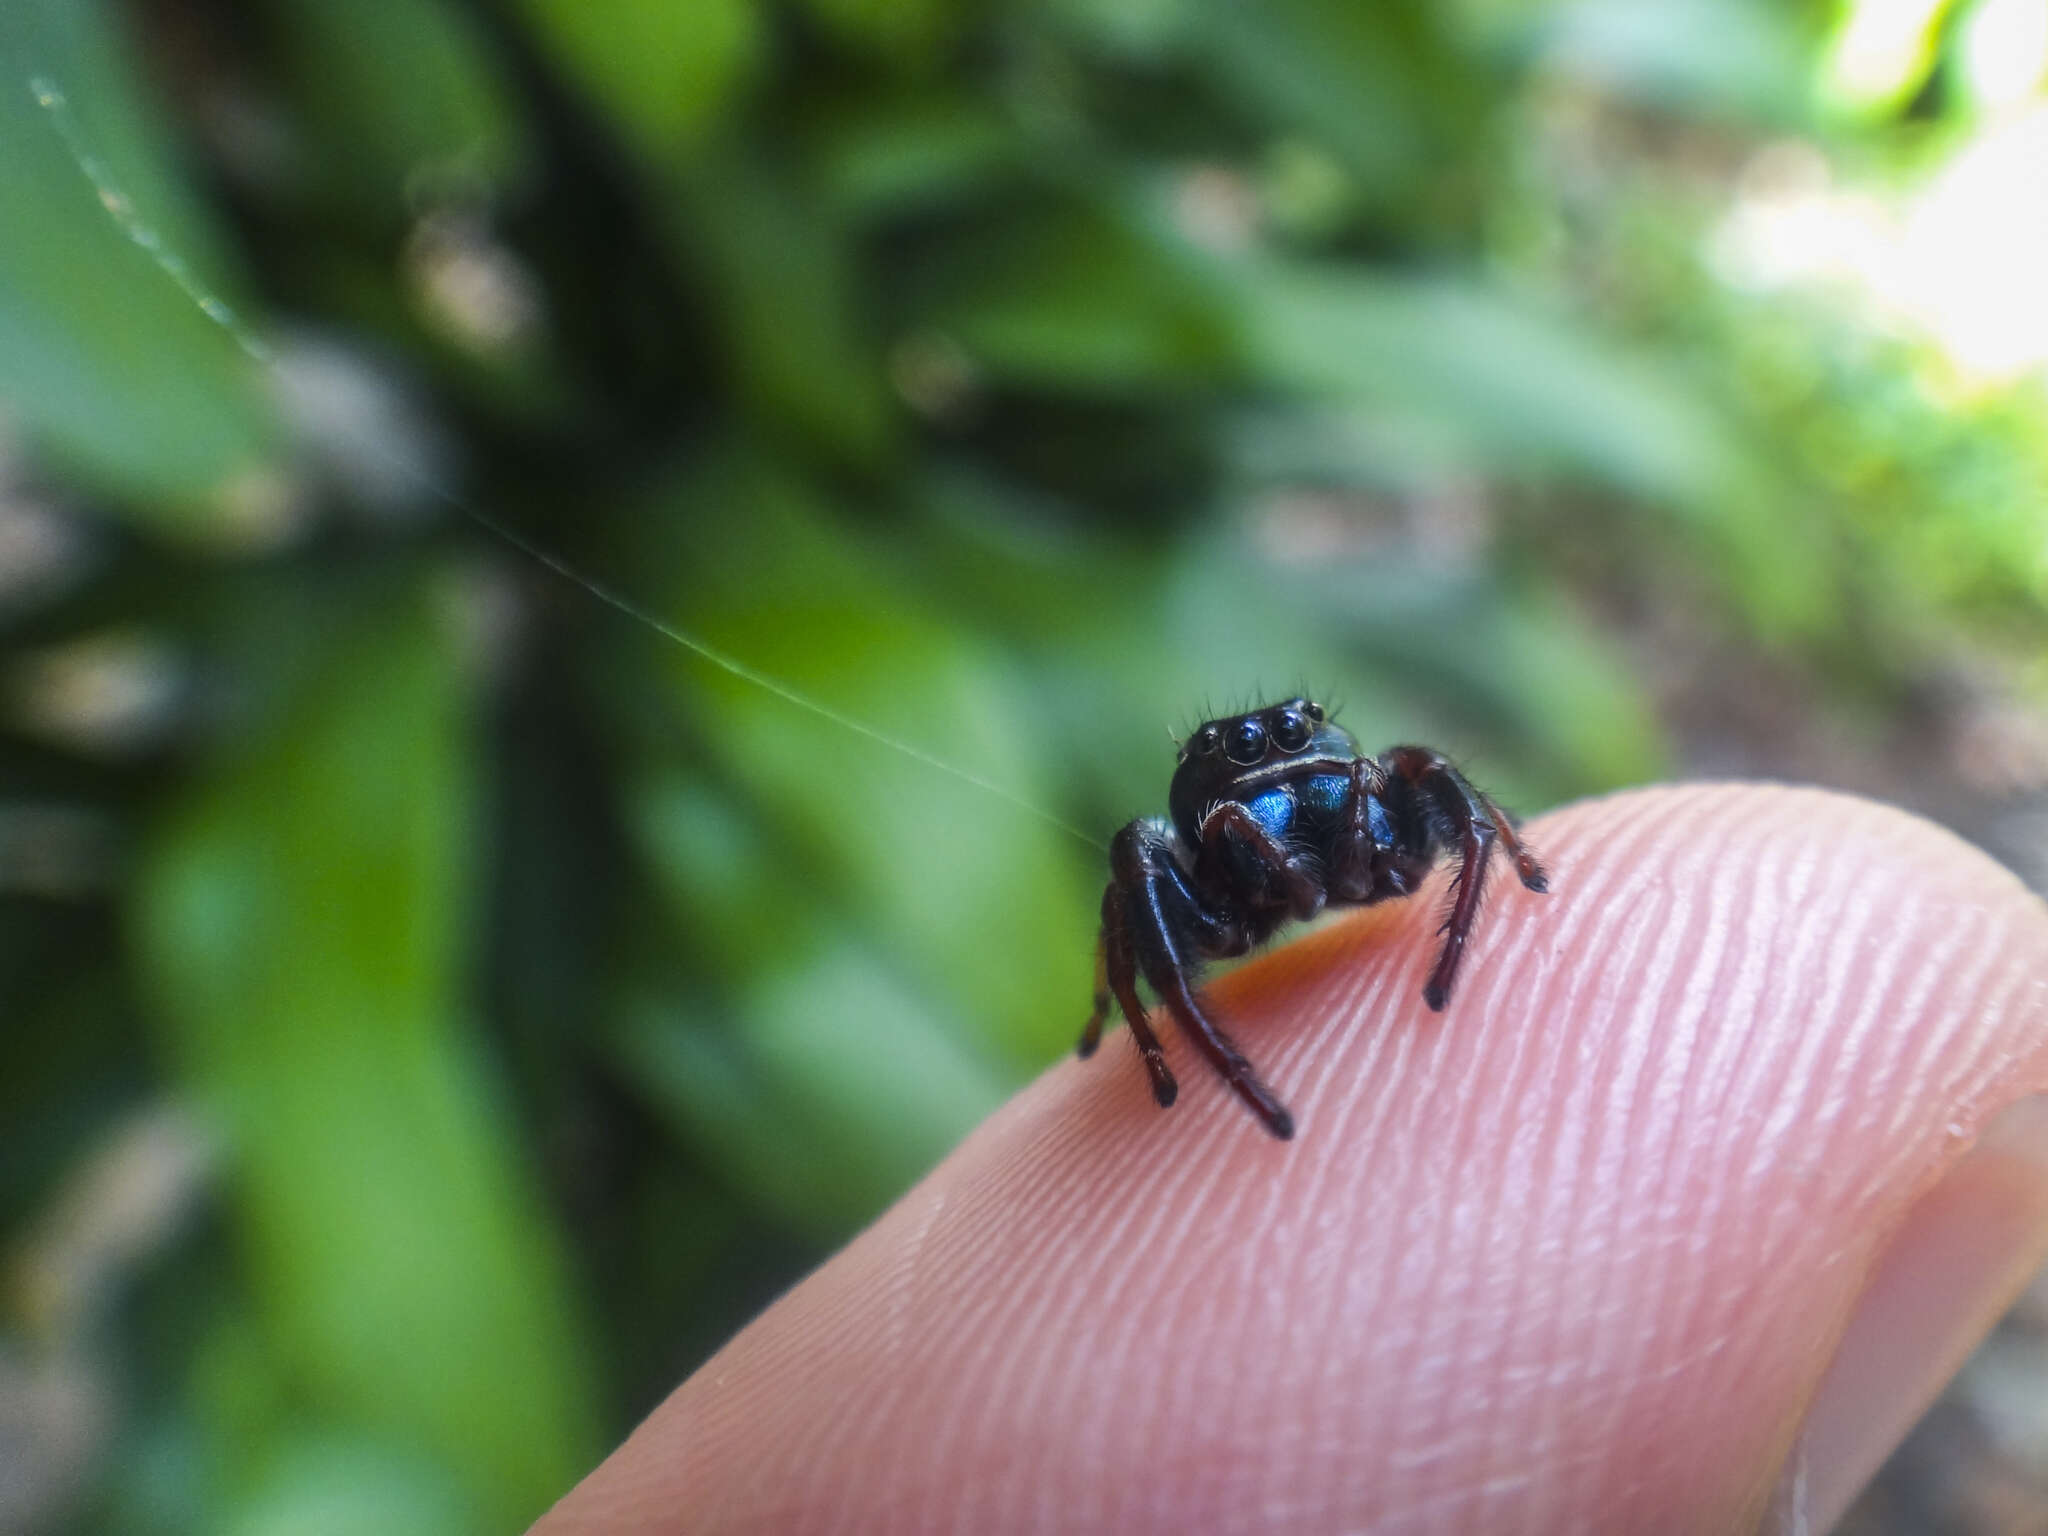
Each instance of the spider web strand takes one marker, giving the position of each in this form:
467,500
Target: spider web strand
120,208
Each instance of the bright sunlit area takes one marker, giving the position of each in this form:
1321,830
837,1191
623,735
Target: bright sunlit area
1947,247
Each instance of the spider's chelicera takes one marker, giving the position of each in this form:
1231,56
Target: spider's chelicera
1273,814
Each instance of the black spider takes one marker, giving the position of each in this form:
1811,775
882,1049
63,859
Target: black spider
1274,813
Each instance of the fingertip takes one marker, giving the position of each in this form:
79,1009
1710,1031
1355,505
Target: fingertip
1953,1265
1573,1257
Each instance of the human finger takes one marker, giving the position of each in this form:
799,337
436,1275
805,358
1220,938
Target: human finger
1673,1218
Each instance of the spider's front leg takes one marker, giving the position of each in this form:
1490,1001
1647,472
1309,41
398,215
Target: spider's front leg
1236,847
1458,813
1154,923
1115,972
1367,860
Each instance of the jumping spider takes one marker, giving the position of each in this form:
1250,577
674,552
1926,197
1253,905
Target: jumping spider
1272,814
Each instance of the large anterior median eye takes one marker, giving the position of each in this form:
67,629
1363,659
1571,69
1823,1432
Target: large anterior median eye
1246,743
1290,730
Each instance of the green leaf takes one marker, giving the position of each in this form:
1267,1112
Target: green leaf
981,900
301,919
895,30
345,1488
389,90
796,333
820,1091
664,71
1085,299
111,366
1733,58
1519,391
1524,389
1374,83
908,150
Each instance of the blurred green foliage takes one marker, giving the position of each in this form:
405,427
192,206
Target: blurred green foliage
1016,380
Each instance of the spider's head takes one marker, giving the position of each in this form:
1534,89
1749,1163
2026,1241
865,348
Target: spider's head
1223,759
1247,740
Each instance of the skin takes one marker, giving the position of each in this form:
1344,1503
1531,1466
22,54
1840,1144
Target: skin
1720,1161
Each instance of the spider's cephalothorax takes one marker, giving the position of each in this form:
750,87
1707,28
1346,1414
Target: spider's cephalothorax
1272,815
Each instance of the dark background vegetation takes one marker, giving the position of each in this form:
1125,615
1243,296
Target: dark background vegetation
435,1009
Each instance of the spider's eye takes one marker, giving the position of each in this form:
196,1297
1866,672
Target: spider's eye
1206,742
1290,730
1247,743
1315,711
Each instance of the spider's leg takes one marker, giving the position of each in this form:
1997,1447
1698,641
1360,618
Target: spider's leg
1091,1032
1366,860
1165,919
1527,869
1464,800
1462,814
1230,828
1117,967
1170,981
